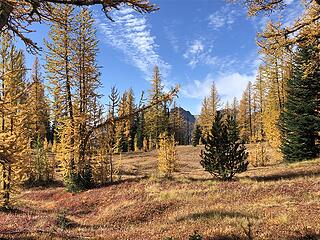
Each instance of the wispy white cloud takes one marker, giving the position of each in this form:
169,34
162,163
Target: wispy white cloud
131,34
229,85
288,2
172,36
223,18
198,53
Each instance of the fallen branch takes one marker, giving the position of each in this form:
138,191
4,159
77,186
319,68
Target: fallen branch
168,97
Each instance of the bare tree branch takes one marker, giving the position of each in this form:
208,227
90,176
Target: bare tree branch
109,121
18,15
165,98
259,6
304,30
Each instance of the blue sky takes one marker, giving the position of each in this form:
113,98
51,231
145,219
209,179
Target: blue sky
194,42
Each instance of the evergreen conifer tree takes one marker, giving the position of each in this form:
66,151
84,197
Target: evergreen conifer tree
122,142
140,130
300,120
196,135
43,165
224,154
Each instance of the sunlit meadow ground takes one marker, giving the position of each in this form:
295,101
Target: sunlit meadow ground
279,201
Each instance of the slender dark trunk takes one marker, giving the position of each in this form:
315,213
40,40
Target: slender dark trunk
6,175
250,111
3,97
111,165
261,107
69,95
278,86
5,11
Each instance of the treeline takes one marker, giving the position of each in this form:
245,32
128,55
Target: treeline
281,109
282,106
56,121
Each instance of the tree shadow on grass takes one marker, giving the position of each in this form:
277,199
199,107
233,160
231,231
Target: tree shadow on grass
35,235
13,210
286,176
43,184
122,181
193,179
238,237
227,237
214,214
213,178
307,234
306,237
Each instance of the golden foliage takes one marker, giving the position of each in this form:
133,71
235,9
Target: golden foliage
14,135
167,155
208,111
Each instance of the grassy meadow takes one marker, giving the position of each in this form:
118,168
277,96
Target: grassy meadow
277,201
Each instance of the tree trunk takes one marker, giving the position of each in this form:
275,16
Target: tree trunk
5,10
6,175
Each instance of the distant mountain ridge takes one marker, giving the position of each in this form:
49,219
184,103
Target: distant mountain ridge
187,116
184,133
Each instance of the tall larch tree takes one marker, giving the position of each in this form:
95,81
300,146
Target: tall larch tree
59,65
156,118
87,82
38,105
208,111
259,89
130,122
40,169
73,73
276,71
246,114
14,141
204,118
121,137
273,107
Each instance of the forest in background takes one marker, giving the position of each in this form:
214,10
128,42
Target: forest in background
280,109
72,130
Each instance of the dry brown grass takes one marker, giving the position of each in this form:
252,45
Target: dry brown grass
280,201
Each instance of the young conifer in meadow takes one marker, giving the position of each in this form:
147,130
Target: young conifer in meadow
224,154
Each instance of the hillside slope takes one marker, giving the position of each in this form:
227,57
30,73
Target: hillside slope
280,202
